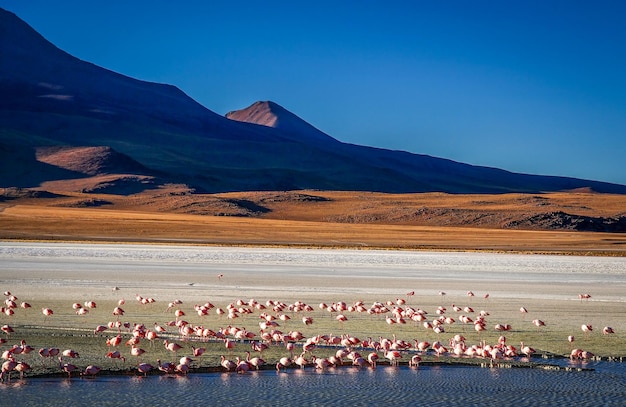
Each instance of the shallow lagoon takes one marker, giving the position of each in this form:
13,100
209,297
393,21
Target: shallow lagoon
427,385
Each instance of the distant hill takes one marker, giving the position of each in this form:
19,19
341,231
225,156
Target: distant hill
54,106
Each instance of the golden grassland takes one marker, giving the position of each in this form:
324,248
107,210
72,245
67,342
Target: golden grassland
341,219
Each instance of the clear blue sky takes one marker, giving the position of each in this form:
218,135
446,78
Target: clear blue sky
529,86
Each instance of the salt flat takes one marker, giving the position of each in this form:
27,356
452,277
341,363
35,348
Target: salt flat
193,271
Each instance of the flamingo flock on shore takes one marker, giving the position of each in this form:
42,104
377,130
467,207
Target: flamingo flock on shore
350,350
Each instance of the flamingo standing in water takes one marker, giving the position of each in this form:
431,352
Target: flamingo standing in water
7,367
166,367
22,367
415,361
301,361
255,362
394,357
372,358
91,370
228,364
284,362
67,367
526,350
144,368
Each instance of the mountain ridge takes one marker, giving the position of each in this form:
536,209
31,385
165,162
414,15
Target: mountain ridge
54,99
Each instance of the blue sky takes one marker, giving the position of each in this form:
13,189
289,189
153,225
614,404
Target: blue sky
529,86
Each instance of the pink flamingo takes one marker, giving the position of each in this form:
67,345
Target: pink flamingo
91,370
301,361
116,355
394,357
242,366
22,367
135,351
166,367
46,313
526,350
67,367
144,368
172,346
197,352
255,362
70,353
415,361
284,362
372,358
227,364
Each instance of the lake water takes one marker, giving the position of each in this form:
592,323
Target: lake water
428,385
87,266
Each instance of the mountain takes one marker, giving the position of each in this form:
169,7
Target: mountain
54,102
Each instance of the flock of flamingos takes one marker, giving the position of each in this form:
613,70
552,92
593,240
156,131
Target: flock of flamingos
298,348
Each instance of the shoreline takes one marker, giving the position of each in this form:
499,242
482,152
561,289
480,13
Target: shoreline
443,362
427,249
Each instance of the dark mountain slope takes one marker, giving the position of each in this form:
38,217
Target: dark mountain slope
50,98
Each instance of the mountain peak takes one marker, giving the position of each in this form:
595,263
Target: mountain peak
271,114
265,113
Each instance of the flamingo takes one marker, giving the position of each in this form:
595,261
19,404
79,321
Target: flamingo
182,368
172,346
228,344
228,364
394,357
372,358
67,367
114,341
607,330
538,323
197,352
166,367
526,350
301,361
7,367
255,362
116,355
284,362
415,361
91,370
144,368
523,310
135,351
22,367
242,366
7,329
70,353
46,313
99,329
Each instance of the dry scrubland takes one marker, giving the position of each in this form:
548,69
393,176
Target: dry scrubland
309,219
312,218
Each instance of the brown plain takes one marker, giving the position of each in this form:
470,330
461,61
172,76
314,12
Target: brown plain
428,221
